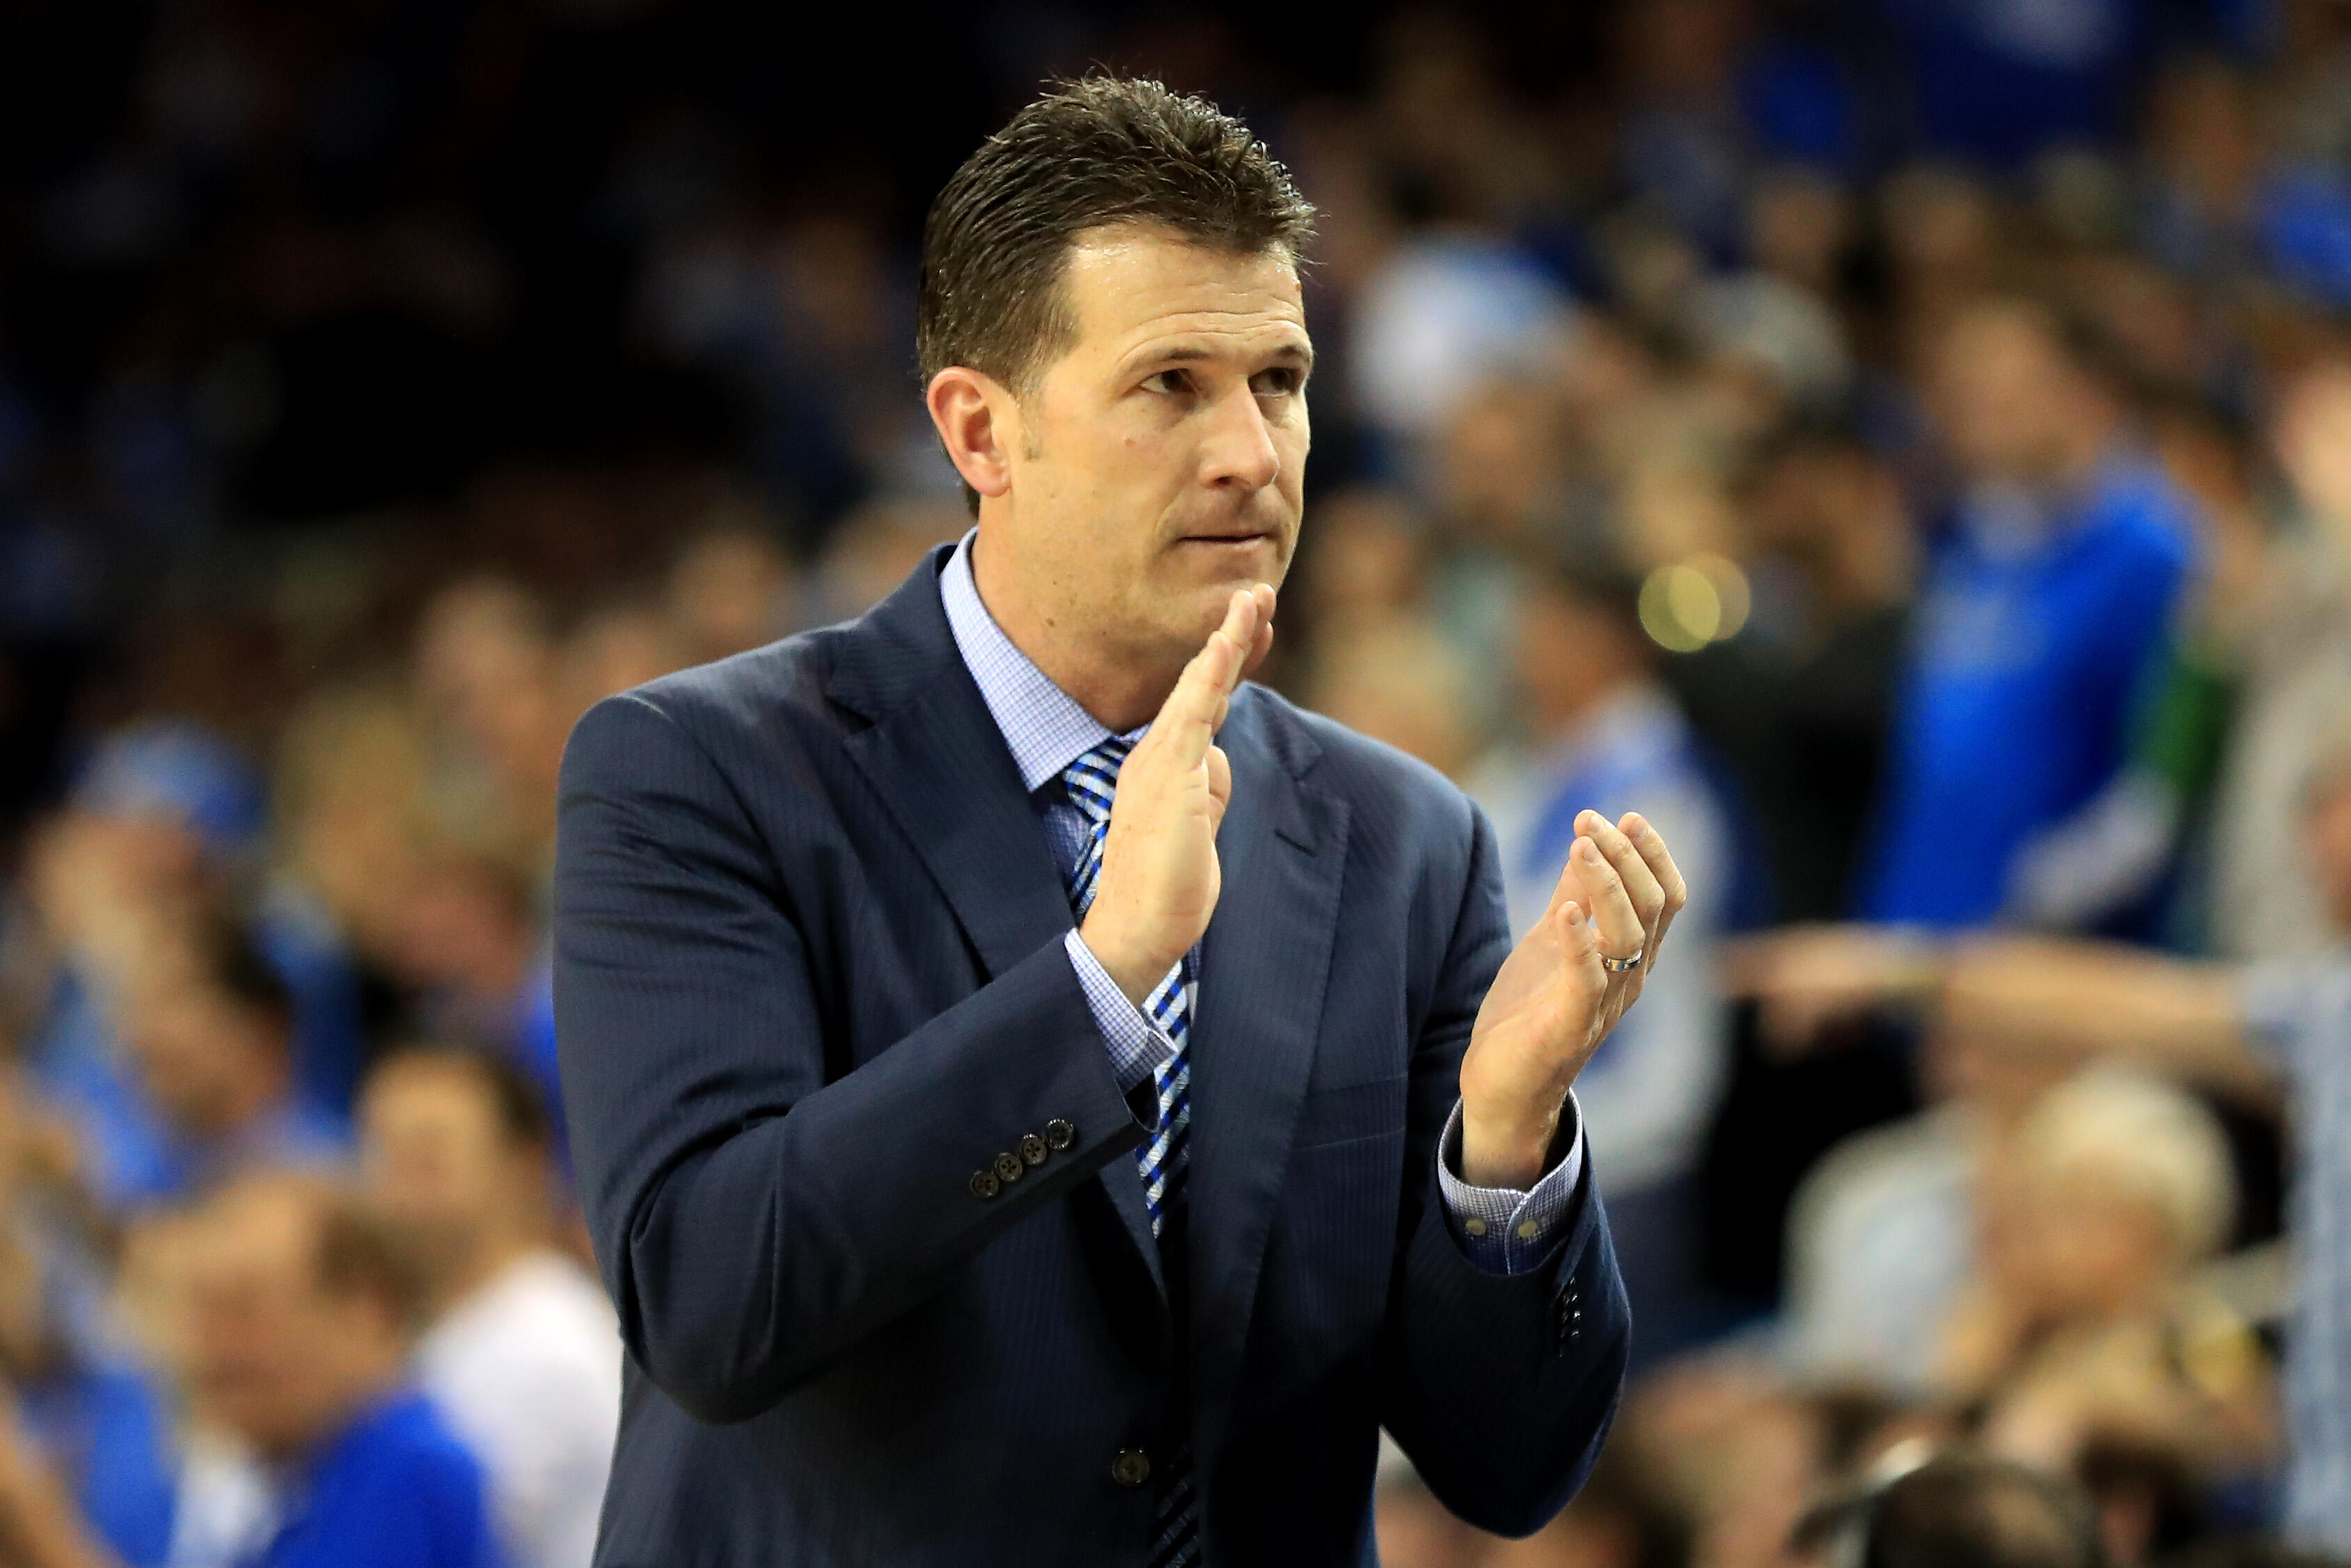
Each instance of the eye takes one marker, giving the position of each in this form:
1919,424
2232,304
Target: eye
1276,383
1168,383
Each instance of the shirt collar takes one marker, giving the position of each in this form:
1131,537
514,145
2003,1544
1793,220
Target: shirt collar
1042,724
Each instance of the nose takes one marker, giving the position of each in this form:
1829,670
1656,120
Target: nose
1240,453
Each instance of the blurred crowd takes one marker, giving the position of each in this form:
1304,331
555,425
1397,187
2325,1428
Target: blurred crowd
1903,447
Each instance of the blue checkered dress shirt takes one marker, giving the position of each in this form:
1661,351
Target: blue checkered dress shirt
1502,1229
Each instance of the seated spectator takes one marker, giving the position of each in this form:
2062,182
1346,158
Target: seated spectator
2240,1028
298,1336
1881,1234
2047,599
1732,1451
1604,735
209,1036
2081,1320
521,1350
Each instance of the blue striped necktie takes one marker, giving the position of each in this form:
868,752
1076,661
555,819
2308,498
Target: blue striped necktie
1091,783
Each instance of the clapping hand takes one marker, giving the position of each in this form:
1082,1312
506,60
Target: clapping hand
1160,876
1557,996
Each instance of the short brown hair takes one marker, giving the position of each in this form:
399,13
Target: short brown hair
1104,149
515,1101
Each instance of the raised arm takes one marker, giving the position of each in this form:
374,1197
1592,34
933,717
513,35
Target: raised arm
2035,993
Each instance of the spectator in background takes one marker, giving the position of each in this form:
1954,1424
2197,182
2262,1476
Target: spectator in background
1798,702
2241,1028
2045,602
485,673
164,833
1961,1510
731,588
209,1034
875,547
1399,680
1881,1234
88,1403
299,1316
2082,1320
521,1350
1620,1519
2269,897
1604,735
462,939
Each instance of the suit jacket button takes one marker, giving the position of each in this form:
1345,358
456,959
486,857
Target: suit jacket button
984,1183
1008,1166
1032,1149
1130,1467
1059,1135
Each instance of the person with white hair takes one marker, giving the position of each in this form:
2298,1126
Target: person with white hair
2280,1023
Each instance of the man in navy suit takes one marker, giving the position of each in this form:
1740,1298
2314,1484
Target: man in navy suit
1037,1098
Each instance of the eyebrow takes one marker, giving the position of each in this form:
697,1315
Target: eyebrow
1299,354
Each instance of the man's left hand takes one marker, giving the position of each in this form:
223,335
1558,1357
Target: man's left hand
1554,1001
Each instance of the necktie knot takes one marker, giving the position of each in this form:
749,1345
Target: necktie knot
1093,780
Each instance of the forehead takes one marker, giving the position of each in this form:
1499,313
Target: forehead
1133,286
429,1101
253,1233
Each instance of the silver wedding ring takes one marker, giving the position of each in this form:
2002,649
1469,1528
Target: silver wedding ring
1618,966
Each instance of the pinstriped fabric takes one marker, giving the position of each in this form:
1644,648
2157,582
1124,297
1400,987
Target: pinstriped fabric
1092,783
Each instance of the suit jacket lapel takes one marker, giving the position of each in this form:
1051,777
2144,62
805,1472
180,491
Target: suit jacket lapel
936,761
1263,968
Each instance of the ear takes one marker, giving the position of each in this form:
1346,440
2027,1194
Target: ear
978,421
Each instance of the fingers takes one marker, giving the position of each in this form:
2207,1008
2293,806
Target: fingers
1659,859
1221,784
1640,883
1193,710
1579,944
1264,595
1660,862
1622,932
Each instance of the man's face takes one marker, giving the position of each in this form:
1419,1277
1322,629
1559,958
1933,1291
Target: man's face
199,1055
272,1354
2004,394
1158,463
434,1162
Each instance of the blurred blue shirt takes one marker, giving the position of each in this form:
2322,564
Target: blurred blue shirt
393,1490
2037,624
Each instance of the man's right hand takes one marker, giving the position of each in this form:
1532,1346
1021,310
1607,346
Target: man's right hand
1160,878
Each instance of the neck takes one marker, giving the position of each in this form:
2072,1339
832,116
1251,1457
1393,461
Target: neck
1122,688
369,1375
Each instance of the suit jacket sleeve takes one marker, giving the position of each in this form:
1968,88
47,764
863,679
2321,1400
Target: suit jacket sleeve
751,1218
1500,1388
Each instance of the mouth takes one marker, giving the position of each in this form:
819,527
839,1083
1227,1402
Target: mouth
1227,541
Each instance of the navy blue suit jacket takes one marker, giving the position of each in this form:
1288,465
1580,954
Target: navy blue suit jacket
809,978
